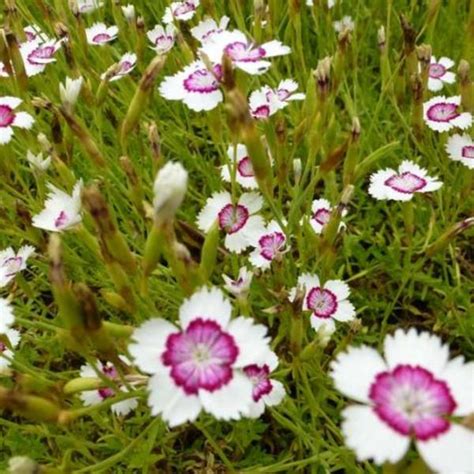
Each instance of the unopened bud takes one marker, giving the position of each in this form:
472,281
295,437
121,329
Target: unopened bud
323,75
22,465
381,39
169,190
297,167
129,12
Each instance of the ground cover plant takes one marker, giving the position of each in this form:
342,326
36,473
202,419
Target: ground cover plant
236,236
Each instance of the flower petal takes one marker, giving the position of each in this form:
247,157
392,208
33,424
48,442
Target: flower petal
354,371
370,437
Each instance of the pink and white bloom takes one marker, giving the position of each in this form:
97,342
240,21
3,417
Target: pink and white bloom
182,11
438,73
37,161
208,28
243,53
9,118
12,262
266,391
238,221
125,66
244,173
61,210
269,245
412,394
321,211
195,86
328,303
199,365
99,34
37,55
88,6
33,32
461,148
162,38
402,185
7,318
6,352
94,397
347,23
266,101
241,286
442,114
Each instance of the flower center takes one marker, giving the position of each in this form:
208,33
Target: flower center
101,38
261,112
436,70
125,67
322,216
164,42
232,218
12,265
412,402
203,81
271,245
200,357
6,116
258,375
468,151
239,51
111,373
61,220
38,55
245,168
442,112
322,302
184,8
407,182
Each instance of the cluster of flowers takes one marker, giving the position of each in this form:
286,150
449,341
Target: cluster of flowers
210,361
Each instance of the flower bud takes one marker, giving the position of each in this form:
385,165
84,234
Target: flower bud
241,286
129,12
22,465
69,92
169,190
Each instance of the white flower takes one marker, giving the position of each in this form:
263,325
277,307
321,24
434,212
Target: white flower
12,263
37,55
266,101
129,12
345,24
69,92
266,391
269,245
94,397
100,34
88,6
327,303
182,11
401,185
442,114
200,364
330,3
6,315
438,73
239,221
124,67
162,38
413,393
321,210
37,161
461,148
14,338
241,286
208,28
33,32
195,85
244,54
169,190
61,211
244,173
9,118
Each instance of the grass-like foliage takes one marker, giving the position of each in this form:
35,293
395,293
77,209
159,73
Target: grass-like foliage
239,246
